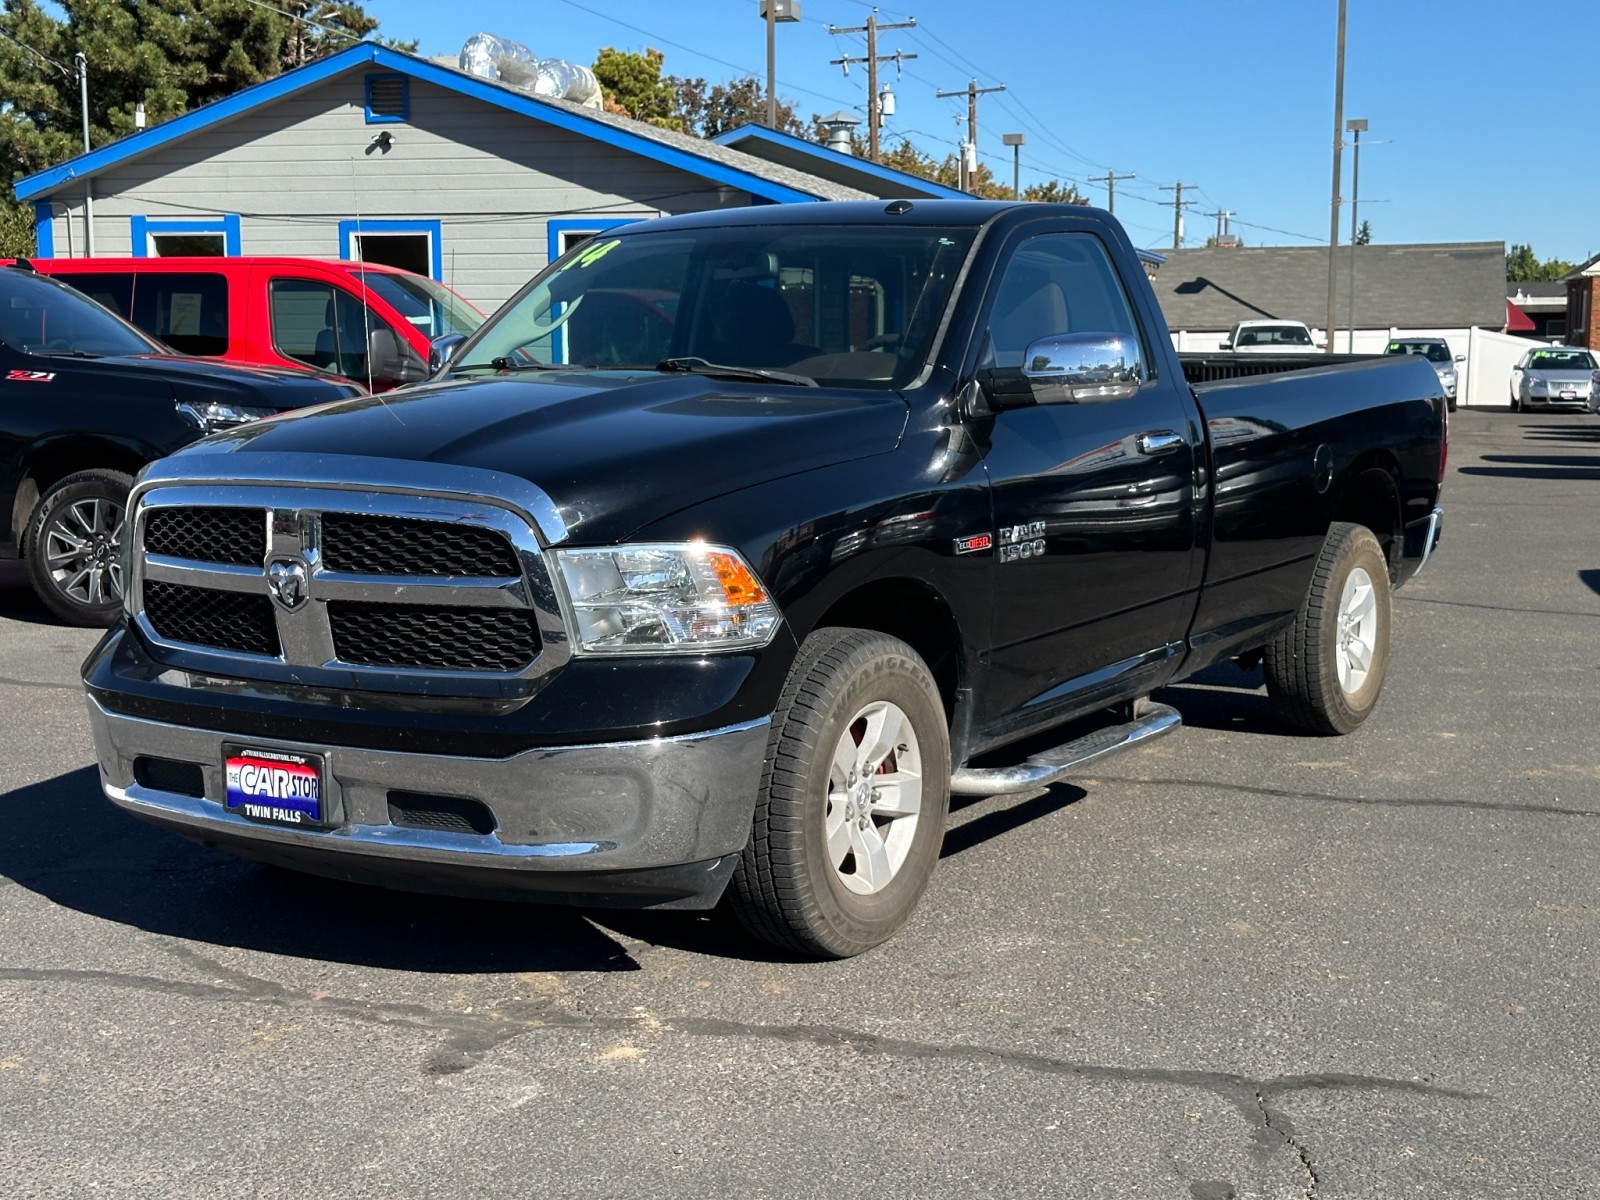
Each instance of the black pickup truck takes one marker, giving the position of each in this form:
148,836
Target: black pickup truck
85,401
733,546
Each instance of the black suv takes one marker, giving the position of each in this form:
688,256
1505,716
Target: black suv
85,401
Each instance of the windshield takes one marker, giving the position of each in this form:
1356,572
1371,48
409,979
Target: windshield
1274,335
846,306
1562,360
1432,351
432,308
40,316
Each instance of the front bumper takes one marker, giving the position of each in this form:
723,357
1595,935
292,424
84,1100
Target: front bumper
648,823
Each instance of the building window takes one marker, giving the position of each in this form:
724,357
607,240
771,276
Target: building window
1556,327
568,232
388,99
410,245
157,237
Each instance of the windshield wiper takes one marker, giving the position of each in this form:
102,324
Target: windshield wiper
505,364
699,366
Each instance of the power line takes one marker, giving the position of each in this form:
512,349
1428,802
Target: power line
1178,204
972,92
872,59
1110,180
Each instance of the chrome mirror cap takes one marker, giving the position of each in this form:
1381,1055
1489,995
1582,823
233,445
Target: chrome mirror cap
1090,366
442,349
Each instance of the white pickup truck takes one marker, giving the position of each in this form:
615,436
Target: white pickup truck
1271,337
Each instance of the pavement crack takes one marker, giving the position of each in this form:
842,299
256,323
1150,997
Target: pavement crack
1502,608
38,683
1280,1126
470,1036
1553,810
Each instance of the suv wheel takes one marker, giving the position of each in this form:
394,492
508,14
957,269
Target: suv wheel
74,546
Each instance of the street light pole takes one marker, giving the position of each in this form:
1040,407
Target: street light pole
1338,150
82,65
1356,126
773,11
1016,142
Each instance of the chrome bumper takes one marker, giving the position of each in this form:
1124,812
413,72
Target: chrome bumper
578,819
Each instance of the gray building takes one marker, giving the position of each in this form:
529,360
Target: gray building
1444,288
378,155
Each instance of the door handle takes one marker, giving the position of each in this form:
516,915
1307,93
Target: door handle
1164,442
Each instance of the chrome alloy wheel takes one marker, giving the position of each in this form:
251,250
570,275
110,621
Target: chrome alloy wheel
1358,630
83,549
874,797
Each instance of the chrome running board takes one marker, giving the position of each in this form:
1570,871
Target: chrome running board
1047,767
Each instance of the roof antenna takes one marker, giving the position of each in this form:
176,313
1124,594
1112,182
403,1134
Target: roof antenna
366,309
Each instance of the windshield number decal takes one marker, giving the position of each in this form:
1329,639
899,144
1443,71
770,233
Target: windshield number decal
30,376
595,253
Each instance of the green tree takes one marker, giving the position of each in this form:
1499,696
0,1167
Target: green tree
632,86
1364,234
1054,192
169,55
709,110
1523,266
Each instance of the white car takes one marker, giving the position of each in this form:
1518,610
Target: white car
1553,377
1271,337
1437,351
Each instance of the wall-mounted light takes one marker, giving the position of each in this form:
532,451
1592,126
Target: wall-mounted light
382,142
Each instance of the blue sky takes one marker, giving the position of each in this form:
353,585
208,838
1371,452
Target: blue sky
1471,138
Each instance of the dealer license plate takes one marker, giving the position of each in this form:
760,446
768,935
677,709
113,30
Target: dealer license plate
276,787
1568,394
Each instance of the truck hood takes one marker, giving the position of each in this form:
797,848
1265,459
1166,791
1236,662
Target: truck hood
613,451
278,388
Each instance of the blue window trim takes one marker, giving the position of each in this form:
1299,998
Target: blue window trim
554,229
348,230
141,227
405,98
44,229
32,187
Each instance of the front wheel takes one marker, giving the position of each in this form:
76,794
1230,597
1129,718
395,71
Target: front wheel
1324,672
74,546
851,812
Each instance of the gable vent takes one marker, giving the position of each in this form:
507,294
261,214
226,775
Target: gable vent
387,98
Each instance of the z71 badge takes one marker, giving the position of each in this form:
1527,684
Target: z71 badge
30,376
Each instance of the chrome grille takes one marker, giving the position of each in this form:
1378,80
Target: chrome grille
212,617
346,584
216,535
427,635
372,545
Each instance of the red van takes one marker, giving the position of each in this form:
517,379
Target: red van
367,322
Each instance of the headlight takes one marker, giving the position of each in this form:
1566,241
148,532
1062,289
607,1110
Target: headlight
665,599
212,415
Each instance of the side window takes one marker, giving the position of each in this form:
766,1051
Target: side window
114,289
321,326
1055,283
186,310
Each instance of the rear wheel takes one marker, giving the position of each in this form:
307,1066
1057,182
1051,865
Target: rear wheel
74,546
853,798
1324,672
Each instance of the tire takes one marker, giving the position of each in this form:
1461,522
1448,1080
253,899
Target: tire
1325,671
1516,403
834,868
74,547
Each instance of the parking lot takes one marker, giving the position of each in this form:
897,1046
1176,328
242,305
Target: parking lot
1237,963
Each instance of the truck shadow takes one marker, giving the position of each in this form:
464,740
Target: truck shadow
1226,697
66,843
17,600
1590,578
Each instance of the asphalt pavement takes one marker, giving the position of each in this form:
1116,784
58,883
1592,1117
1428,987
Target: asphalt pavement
1237,963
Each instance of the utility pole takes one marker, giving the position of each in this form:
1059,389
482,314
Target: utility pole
972,91
872,59
1338,152
1110,180
1223,216
1178,204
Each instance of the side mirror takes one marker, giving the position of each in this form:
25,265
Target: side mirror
442,349
1227,344
388,362
1461,358
1088,366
